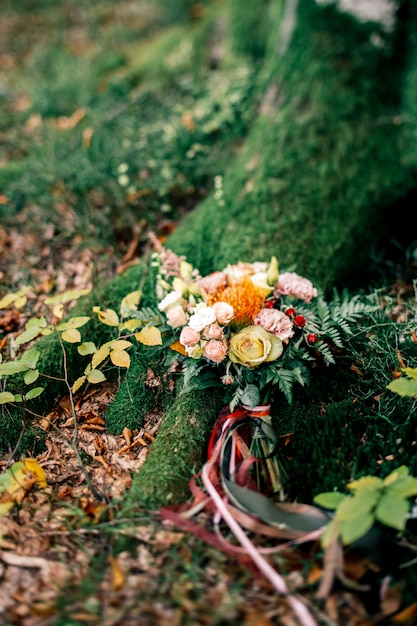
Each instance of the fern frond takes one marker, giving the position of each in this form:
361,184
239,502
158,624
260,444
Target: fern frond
324,349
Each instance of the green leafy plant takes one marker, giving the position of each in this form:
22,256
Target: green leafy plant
128,323
372,500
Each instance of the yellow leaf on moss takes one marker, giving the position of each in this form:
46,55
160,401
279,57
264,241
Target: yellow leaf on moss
67,296
73,322
120,358
6,396
108,317
130,303
131,325
71,335
101,354
58,310
120,344
95,376
149,336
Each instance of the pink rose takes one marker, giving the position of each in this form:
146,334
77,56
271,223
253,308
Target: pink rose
275,322
224,312
189,336
176,317
213,282
291,284
214,331
215,350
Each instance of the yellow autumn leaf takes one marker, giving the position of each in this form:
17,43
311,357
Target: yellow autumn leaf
72,335
17,486
88,347
67,296
78,383
130,303
7,300
18,299
5,508
47,331
20,302
178,347
58,310
73,322
101,354
117,574
131,325
95,376
20,479
120,358
149,336
33,467
6,396
109,317
120,344
366,482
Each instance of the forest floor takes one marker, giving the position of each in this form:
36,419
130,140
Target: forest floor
67,556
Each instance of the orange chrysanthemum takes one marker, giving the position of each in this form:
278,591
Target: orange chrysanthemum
245,299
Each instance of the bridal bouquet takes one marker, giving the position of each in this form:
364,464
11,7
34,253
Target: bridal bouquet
254,331
248,327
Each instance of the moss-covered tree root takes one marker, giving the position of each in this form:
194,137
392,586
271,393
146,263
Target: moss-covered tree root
178,451
137,396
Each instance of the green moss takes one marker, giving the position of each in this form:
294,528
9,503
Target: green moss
249,27
408,118
178,451
346,425
135,397
18,435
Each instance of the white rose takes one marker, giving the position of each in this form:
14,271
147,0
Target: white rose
204,316
174,298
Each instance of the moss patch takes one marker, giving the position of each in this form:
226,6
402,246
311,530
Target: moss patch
178,451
